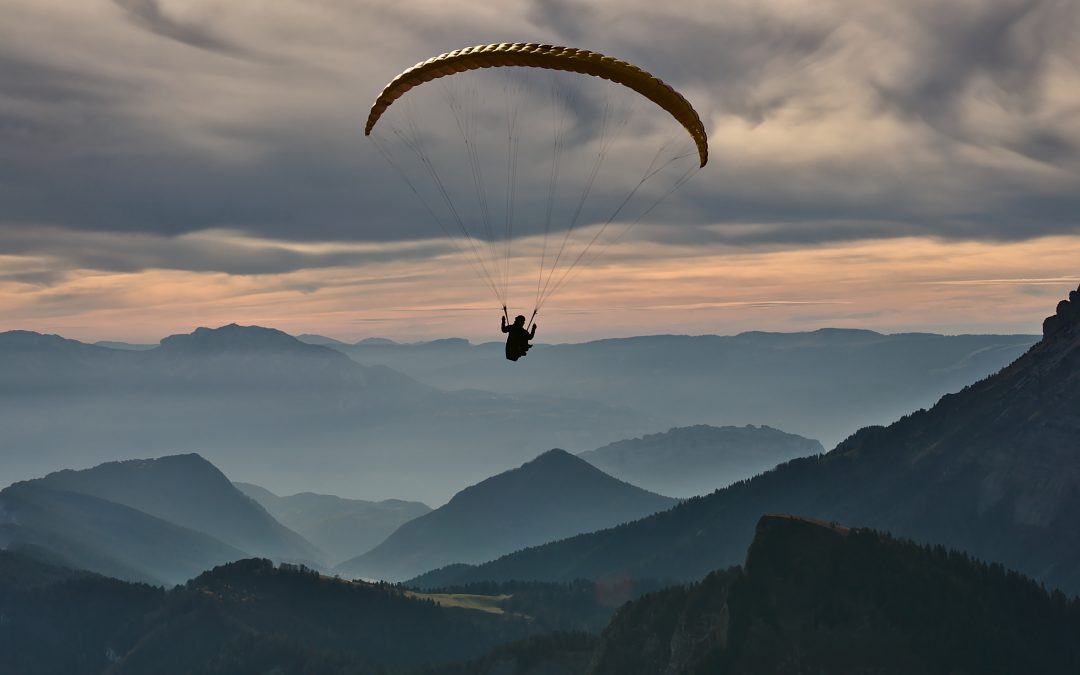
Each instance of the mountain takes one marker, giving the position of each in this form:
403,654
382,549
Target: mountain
259,402
553,496
244,617
311,339
815,598
343,528
19,571
993,470
688,461
85,532
56,620
818,597
189,491
111,344
820,384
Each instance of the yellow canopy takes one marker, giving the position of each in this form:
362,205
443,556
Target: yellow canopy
552,57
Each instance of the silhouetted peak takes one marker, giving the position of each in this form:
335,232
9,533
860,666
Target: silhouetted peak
847,332
234,338
782,540
446,342
184,467
313,339
374,341
544,468
1067,317
831,333
29,338
552,458
551,468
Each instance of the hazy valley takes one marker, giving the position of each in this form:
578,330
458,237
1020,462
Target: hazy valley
652,553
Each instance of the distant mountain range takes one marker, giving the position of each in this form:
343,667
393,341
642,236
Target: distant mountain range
236,393
688,461
822,384
553,496
342,528
156,520
993,469
262,404
112,344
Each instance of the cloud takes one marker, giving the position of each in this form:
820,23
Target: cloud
207,251
154,17
829,121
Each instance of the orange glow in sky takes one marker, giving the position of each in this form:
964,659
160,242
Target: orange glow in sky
896,285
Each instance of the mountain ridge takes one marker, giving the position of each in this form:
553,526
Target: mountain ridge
991,469
89,533
343,528
820,384
189,491
553,494
694,460
236,392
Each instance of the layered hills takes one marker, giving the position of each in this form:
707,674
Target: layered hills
553,496
86,532
993,469
160,521
262,404
343,528
189,491
820,384
812,596
688,461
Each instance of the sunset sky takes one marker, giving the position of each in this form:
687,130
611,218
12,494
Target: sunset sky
901,165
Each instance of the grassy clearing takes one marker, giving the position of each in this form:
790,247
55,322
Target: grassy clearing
492,604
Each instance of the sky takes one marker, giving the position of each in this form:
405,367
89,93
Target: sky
894,165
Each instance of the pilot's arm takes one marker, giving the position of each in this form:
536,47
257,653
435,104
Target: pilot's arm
533,333
504,328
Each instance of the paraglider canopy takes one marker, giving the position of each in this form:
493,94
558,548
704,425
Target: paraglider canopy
538,131
532,55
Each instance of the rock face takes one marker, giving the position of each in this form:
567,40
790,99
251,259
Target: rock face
1067,316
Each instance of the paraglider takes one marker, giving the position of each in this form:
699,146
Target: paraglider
517,340
521,128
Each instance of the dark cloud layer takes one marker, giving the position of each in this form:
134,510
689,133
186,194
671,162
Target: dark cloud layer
149,123
151,15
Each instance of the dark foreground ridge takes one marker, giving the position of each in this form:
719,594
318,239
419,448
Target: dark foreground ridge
1066,318
818,597
812,597
243,617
